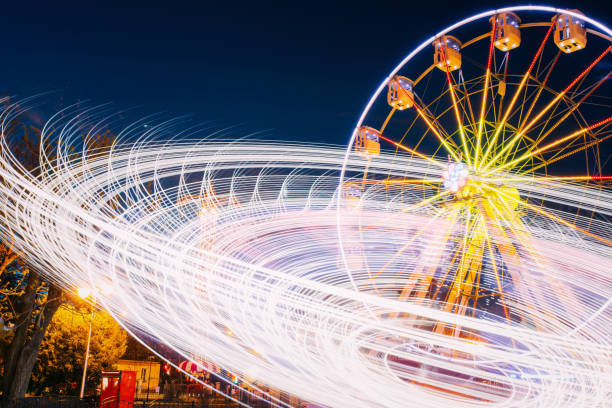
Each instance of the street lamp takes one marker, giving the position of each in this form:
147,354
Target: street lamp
84,293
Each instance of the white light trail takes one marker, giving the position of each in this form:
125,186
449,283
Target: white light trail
230,252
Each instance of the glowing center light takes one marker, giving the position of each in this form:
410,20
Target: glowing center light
455,177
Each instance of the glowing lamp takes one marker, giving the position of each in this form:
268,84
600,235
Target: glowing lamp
83,292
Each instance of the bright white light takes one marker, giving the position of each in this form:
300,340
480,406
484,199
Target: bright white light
106,289
83,292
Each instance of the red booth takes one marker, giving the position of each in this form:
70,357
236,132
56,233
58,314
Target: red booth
117,389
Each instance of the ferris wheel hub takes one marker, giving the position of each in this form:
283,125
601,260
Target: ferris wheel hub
455,177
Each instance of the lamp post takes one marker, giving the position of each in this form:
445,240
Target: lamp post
87,353
84,293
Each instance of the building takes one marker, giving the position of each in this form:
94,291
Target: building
147,375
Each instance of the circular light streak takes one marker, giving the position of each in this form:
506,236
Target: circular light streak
248,255
232,256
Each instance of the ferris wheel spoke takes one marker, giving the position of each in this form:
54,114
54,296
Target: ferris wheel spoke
541,87
569,112
576,143
577,150
414,152
552,216
386,122
451,89
547,178
444,141
552,103
574,107
469,112
552,144
526,141
563,116
517,93
485,91
494,267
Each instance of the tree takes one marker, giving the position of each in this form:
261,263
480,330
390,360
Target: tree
28,300
62,354
33,308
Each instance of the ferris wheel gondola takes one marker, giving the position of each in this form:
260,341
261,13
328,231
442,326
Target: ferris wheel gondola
486,127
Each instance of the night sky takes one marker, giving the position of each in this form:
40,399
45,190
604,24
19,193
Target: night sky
298,71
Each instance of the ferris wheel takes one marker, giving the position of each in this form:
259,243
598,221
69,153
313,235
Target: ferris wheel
500,112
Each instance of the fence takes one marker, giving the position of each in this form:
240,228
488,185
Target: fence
59,402
75,402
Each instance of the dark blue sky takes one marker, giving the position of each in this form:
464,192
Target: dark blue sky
302,70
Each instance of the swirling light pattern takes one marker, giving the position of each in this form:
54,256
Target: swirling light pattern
278,264
230,252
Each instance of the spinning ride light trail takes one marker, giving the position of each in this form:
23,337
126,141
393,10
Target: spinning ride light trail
374,286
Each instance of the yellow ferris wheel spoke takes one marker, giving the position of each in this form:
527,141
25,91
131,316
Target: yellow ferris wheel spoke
386,122
548,178
451,89
541,87
421,155
577,150
485,91
551,145
552,216
404,181
545,109
421,112
435,131
572,109
500,126
494,267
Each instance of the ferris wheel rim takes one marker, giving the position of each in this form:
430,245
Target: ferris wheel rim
418,49
406,60
428,41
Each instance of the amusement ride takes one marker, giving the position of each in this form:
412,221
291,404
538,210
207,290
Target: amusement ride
520,101
456,252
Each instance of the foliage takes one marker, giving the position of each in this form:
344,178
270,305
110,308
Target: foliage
59,366
12,284
28,302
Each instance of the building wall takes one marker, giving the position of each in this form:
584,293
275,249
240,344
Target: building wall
147,374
